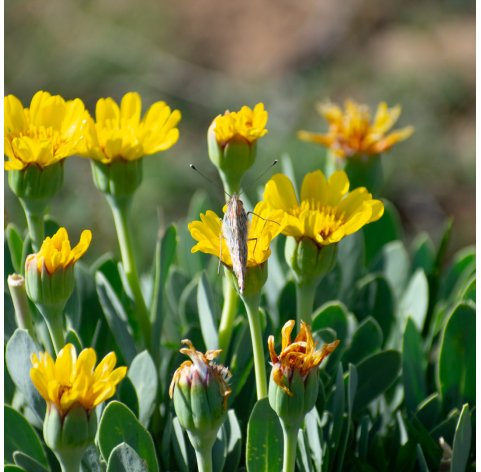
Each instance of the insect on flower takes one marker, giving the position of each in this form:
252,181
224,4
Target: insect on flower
235,228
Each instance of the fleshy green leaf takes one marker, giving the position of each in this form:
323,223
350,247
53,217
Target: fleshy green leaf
234,442
207,315
303,452
183,450
469,290
15,247
313,431
415,299
456,365
461,260
462,441
143,374
7,263
264,439
128,395
423,253
117,425
414,367
375,375
421,460
19,349
429,411
72,338
338,419
366,341
27,463
21,437
9,321
124,459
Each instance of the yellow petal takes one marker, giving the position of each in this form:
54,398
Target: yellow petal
314,188
105,367
130,109
65,363
52,112
15,119
338,186
36,107
107,113
117,375
377,210
279,193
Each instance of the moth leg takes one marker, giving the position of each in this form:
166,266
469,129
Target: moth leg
272,221
255,245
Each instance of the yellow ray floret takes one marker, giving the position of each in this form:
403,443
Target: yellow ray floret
325,213
56,251
250,124
70,379
351,132
208,234
301,354
119,133
203,363
43,134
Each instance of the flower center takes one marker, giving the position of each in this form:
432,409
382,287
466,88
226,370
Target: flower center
39,132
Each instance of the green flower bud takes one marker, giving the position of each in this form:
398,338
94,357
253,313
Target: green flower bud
35,186
294,382
199,390
309,260
71,435
255,279
119,178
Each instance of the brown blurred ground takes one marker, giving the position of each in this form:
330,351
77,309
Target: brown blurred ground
204,56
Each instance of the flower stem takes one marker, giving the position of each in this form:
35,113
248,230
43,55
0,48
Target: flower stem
290,446
16,284
204,459
305,294
252,306
121,211
229,311
53,315
35,226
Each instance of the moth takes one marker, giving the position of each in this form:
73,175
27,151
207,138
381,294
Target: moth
235,229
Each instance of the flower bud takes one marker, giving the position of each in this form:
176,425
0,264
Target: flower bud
199,390
294,379
119,177
308,260
255,279
232,143
36,185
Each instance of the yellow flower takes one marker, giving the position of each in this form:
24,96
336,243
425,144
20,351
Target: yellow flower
70,379
246,123
119,133
351,132
56,251
301,354
43,134
208,234
325,213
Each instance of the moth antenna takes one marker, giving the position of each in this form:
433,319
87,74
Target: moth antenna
265,172
192,167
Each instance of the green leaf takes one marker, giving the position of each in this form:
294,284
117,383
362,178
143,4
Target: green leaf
143,374
128,395
388,228
124,459
447,428
312,427
164,253
12,468
234,442
456,364
19,349
414,367
219,450
207,316
9,320
51,226
183,450
108,266
177,280
7,263
469,290
90,460
72,310
328,289
286,304
15,247
303,452
116,317
337,414
8,385
375,375
461,260
374,298
462,441
366,341
429,411
423,253
27,463
351,259
421,460
27,250
415,299
117,425
21,437
332,315
265,446
72,338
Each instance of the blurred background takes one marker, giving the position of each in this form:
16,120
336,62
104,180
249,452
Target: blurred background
205,56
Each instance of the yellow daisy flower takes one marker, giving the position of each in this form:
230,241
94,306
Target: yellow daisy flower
250,124
119,133
325,213
351,132
208,234
70,379
301,354
56,252
43,134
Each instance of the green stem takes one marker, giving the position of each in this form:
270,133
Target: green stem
290,447
70,462
252,306
121,210
36,226
204,459
53,315
305,294
16,284
229,311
